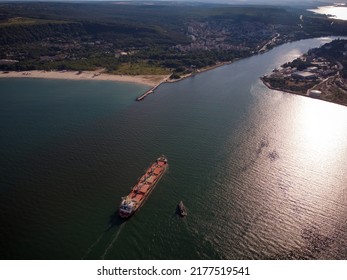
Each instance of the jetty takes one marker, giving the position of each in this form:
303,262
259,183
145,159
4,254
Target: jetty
148,92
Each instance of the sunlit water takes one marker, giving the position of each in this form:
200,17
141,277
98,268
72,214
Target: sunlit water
261,172
338,12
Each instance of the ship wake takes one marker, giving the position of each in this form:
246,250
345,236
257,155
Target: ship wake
93,245
115,221
112,242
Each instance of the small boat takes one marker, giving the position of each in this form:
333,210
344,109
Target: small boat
181,209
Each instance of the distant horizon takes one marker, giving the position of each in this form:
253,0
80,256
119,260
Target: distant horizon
200,1
298,3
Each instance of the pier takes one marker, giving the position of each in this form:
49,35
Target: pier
148,92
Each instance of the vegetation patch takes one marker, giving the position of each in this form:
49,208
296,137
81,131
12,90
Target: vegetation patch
140,68
27,21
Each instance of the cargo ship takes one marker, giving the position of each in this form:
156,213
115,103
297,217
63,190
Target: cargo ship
142,189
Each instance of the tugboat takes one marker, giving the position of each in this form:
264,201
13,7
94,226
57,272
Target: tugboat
181,209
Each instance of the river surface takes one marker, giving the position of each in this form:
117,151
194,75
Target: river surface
262,173
336,12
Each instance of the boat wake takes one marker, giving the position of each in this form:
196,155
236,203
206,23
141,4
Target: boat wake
114,221
112,242
93,245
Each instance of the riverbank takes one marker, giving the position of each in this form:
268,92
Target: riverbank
201,70
268,85
327,92
319,73
150,80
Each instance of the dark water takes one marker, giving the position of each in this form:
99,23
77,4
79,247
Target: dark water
262,173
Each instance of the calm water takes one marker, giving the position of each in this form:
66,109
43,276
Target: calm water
337,12
262,173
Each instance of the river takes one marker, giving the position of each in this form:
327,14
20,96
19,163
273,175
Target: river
336,12
261,172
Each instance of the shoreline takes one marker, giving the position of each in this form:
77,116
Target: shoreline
202,70
154,81
98,75
283,90
302,94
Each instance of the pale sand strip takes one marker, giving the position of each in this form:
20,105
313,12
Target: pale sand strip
150,80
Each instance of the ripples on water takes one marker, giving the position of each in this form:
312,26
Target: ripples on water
261,172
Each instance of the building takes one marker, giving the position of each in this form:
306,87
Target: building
312,69
314,93
304,75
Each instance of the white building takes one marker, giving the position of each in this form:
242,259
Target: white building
314,93
304,75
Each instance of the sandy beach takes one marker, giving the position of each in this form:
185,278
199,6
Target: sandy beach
150,80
